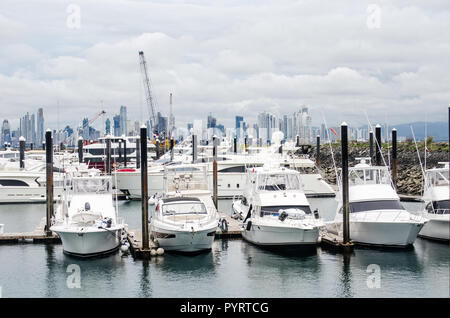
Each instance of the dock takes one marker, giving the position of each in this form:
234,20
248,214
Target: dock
334,242
36,236
135,236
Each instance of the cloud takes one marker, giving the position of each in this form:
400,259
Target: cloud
227,58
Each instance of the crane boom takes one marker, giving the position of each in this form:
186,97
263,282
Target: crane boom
148,92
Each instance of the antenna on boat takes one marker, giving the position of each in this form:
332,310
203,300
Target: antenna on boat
338,181
418,155
376,141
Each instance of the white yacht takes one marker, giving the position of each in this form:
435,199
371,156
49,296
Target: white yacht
376,215
185,218
86,219
277,212
437,209
231,171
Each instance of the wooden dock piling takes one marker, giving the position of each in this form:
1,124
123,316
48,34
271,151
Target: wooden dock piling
49,181
144,191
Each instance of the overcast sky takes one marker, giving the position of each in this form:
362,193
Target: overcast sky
340,58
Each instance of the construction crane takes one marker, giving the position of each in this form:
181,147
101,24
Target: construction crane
148,92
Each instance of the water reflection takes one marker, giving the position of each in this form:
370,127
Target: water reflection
144,282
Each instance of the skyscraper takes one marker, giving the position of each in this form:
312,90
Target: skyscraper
123,120
40,127
116,122
6,132
107,126
239,119
211,121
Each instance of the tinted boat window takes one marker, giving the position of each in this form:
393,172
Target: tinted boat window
375,205
13,183
441,207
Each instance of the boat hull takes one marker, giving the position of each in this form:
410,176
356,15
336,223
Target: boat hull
437,228
280,236
89,243
184,241
396,234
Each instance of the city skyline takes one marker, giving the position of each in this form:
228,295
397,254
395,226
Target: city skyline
238,65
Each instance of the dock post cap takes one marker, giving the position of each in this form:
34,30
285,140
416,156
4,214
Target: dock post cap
143,126
48,130
371,131
80,138
378,126
123,136
22,138
344,123
318,136
394,129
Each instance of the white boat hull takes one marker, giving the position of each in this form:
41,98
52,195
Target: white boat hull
184,241
280,235
399,234
437,228
80,242
26,194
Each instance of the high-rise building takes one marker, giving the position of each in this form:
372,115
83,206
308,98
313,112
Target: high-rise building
267,123
189,127
211,121
85,129
239,120
116,123
107,126
40,127
6,132
123,120
33,129
162,125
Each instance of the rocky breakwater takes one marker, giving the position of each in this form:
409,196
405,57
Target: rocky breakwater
410,180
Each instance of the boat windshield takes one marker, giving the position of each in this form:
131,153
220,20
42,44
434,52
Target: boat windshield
183,208
375,205
436,178
91,185
439,207
289,209
278,181
371,175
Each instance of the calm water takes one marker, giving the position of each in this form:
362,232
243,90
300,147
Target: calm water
233,268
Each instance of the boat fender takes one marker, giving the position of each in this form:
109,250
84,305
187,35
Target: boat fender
124,248
249,225
316,213
224,225
283,216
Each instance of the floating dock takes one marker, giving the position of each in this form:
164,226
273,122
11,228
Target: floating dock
36,236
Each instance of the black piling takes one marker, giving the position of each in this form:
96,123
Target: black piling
49,177
215,181
138,153
235,145
378,145
157,149
80,149
125,152
394,157
31,146
120,150
144,189
43,145
318,150
108,156
297,143
345,194
194,148
172,146
371,145
22,152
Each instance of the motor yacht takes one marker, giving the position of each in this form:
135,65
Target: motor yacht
376,215
276,210
86,219
185,218
437,209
